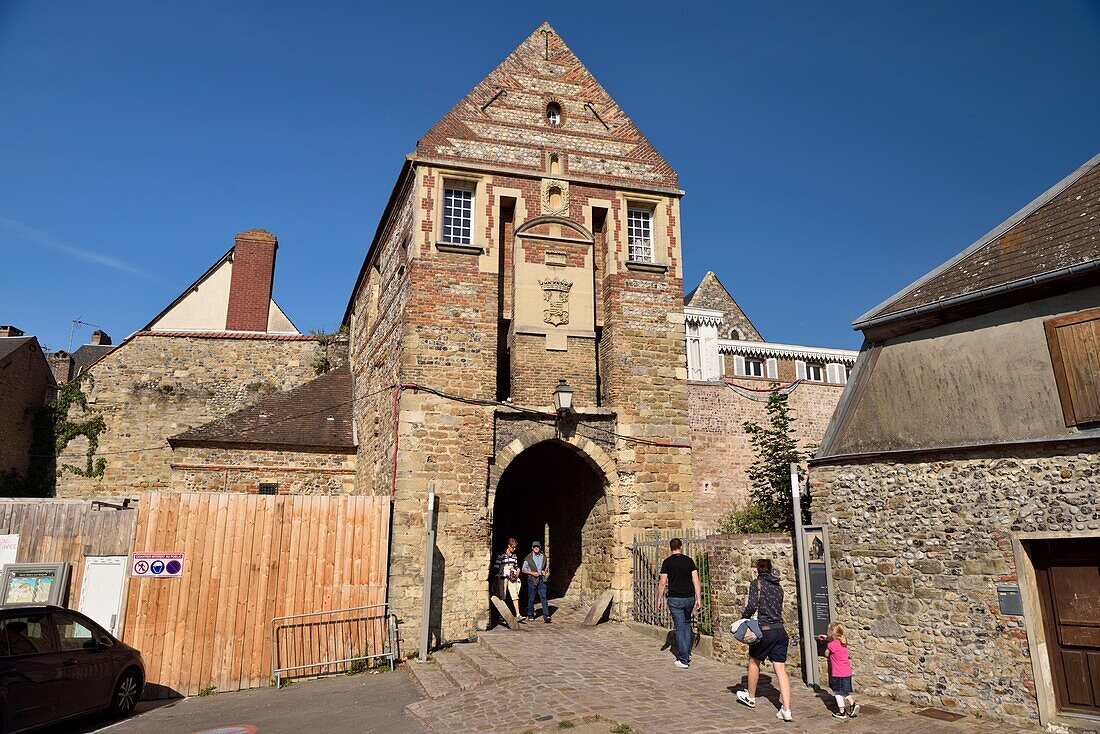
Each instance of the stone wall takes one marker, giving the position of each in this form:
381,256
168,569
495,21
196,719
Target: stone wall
153,387
732,561
242,469
918,547
721,454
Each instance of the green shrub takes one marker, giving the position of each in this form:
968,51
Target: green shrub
747,520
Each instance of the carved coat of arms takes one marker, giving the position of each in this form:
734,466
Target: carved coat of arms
555,292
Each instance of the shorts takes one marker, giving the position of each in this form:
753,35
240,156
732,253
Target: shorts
841,686
509,587
772,646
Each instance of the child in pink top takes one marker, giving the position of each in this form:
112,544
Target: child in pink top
840,671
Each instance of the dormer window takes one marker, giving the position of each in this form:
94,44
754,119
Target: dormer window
639,232
553,113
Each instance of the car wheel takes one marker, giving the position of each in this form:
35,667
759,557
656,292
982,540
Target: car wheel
126,694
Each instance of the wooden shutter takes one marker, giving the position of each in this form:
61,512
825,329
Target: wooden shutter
799,369
772,368
738,365
1074,343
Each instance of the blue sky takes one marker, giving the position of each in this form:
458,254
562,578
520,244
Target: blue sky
831,152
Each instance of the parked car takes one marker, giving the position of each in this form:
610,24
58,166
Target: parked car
56,663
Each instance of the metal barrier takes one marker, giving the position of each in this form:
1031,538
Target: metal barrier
648,555
311,636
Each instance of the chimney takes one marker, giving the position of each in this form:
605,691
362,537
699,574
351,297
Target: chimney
8,330
100,338
61,364
250,285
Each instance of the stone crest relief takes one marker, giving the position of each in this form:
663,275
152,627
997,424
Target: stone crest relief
555,197
555,291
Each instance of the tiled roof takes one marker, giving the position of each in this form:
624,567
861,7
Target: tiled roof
228,335
314,415
1057,232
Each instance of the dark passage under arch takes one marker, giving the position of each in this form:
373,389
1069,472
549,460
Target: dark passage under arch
551,493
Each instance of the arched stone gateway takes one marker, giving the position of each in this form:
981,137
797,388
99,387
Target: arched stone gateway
561,490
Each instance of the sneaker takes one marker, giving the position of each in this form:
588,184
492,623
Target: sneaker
521,620
854,712
546,620
530,619
682,665
783,714
839,715
743,697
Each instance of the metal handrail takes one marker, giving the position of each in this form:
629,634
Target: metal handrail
390,640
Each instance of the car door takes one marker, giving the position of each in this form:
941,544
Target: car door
30,670
87,668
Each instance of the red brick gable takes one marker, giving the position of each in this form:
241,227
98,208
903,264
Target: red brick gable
502,123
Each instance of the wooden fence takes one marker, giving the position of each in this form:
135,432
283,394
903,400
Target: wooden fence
52,531
249,559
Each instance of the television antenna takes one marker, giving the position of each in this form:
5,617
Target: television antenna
72,330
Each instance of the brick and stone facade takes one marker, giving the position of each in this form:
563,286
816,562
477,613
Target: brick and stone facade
480,329
25,384
234,468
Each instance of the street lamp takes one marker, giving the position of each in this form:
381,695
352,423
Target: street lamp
563,399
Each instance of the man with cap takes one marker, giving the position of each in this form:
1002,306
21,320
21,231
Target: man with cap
536,567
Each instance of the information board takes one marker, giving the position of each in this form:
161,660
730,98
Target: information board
816,542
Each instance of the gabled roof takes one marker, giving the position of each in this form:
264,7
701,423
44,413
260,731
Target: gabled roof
316,415
502,123
1056,236
10,344
710,293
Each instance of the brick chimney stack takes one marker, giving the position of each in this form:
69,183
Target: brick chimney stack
100,338
250,285
8,330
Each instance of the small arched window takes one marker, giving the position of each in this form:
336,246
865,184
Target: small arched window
735,334
553,113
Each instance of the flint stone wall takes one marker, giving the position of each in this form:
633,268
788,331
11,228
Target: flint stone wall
918,548
240,469
732,561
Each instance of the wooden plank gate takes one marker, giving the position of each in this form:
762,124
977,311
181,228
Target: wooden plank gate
250,559
52,531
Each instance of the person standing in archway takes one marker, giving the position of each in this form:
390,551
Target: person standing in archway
536,567
685,595
508,568
766,602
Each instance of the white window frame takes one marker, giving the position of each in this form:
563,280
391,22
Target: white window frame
639,233
814,367
457,224
750,370
694,352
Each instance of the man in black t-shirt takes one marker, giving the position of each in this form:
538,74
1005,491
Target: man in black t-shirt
685,595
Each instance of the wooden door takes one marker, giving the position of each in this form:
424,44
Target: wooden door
1068,574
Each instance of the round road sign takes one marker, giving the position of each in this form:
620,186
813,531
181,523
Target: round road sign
141,567
174,566
157,567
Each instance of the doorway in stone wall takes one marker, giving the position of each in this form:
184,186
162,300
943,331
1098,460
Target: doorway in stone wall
551,493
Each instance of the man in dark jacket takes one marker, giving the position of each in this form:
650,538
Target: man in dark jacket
766,602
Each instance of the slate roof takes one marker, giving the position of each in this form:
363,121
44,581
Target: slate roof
502,122
10,344
1057,234
316,415
87,355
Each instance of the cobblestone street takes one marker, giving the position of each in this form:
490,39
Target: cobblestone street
542,674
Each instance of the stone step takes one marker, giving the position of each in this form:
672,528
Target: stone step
431,678
485,660
460,670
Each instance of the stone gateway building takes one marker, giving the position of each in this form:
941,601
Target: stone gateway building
960,476
532,237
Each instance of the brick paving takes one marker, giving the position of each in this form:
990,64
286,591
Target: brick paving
542,674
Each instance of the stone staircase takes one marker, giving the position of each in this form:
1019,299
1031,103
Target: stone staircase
462,667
